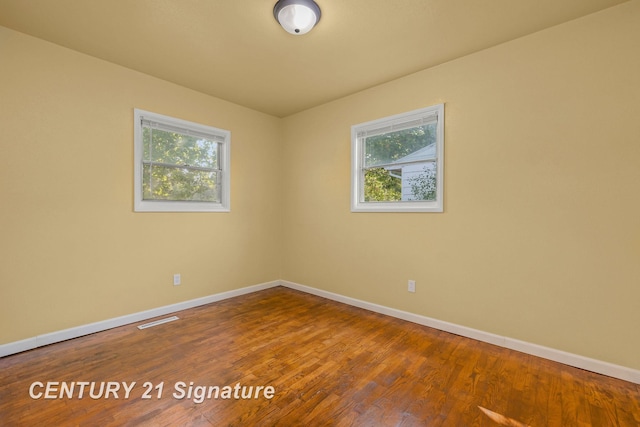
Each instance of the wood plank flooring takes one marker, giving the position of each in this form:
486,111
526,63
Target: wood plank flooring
329,365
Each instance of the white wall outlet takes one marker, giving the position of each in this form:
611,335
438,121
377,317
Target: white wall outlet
412,286
176,279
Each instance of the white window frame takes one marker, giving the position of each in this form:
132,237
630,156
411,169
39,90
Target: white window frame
389,124
141,205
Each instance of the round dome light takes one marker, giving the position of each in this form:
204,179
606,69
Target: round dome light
297,16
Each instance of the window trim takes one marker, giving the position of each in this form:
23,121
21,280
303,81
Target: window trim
224,136
396,122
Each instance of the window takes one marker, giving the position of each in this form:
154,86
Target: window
397,163
180,166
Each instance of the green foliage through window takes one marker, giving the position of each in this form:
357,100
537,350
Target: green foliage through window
423,186
379,185
179,167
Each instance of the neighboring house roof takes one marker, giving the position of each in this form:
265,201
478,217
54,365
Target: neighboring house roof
425,153
422,155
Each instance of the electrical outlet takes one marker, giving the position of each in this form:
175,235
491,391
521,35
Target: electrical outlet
412,286
176,279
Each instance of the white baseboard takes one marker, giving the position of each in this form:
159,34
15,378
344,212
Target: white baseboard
66,334
593,365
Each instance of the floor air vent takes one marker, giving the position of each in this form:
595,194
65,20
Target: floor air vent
158,322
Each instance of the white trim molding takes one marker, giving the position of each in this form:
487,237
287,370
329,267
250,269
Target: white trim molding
222,139
593,365
434,161
575,360
78,331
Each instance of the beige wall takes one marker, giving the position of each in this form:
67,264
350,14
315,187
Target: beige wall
540,238
72,249
539,241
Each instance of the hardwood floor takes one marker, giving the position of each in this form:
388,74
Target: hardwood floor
329,365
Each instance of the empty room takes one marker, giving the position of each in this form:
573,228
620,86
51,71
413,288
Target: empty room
320,213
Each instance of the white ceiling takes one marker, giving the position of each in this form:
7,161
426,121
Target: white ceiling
235,50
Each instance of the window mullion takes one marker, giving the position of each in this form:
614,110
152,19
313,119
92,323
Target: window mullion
150,160
177,166
411,162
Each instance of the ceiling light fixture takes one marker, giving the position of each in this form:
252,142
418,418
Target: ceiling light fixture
297,16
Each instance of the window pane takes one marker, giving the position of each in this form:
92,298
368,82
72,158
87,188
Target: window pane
397,162
407,165
169,183
419,182
381,186
393,146
178,149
